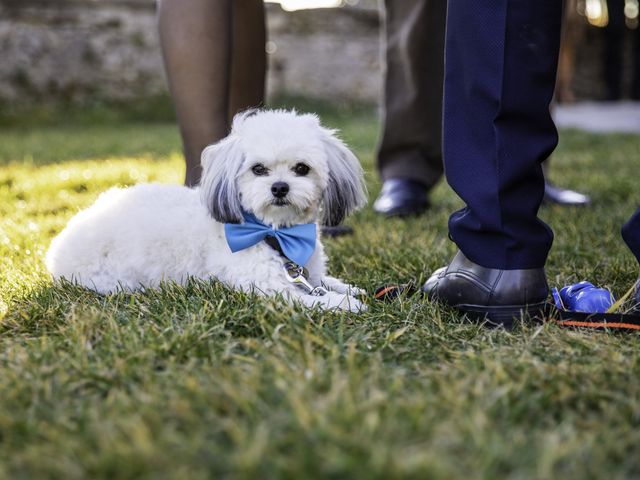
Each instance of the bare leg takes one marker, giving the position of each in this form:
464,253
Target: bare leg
195,36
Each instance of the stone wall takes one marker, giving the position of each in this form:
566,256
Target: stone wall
76,49
73,49
326,53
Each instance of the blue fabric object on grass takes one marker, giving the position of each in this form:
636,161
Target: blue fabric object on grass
583,297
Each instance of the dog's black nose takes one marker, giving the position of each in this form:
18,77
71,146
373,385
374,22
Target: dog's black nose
280,189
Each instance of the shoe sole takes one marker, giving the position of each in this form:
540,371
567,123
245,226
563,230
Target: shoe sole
505,316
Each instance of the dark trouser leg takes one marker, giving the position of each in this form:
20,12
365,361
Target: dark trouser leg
635,79
631,234
213,52
249,59
196,40
613,49
410,145
501,60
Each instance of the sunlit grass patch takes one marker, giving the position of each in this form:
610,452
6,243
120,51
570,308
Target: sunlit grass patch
199,381
36,201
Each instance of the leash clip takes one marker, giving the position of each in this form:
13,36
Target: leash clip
297,275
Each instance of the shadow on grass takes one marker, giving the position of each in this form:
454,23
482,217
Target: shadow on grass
48,307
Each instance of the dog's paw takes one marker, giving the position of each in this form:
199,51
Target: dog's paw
356,291
347,303
334,301
353,304
335,285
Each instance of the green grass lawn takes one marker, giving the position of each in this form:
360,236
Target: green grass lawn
199,381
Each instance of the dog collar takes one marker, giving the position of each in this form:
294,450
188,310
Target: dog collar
294,273
295,245
299,276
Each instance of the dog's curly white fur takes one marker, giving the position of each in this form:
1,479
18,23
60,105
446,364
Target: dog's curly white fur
140,236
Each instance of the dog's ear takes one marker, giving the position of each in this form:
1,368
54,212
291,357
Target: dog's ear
345,190
221,164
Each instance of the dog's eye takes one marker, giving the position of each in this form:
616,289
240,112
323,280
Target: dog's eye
259,169
301,169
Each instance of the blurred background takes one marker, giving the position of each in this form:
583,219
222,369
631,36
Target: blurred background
75,52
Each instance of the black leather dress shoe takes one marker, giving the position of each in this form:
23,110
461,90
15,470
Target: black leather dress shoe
488,294
401,197
564,196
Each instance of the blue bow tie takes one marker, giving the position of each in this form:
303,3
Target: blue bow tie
297,242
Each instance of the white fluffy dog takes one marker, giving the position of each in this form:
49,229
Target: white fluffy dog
284,168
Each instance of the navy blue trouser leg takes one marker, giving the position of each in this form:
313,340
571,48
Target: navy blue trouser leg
631,234
501,60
